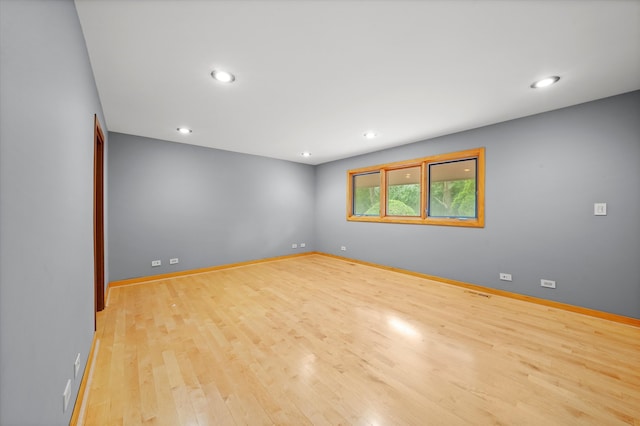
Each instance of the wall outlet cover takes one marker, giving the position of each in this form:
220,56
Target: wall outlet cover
548,283
66,396
76,366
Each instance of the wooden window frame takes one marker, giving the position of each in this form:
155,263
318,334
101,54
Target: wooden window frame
408,165
353,184
423,163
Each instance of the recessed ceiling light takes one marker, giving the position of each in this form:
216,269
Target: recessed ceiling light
545,82
306,154
370,135
222,76
184,130
467,170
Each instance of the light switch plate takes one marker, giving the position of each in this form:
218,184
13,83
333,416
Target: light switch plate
600,209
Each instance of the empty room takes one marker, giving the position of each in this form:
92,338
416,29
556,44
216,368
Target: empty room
319,212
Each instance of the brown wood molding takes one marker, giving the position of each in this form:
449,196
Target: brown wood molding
98,216
149,278
635,322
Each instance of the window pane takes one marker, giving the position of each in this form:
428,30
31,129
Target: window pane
403,192
452,189
366,198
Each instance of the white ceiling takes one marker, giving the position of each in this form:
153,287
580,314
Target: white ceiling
315,75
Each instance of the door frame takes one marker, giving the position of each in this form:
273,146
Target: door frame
98,218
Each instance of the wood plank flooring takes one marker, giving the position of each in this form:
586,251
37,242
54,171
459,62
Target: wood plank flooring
318,340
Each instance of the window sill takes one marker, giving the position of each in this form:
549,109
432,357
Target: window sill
467,223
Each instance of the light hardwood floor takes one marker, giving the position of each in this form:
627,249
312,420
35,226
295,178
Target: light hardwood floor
318,340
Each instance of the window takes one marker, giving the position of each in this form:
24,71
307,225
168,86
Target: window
446,189
452,189
403,191
366,189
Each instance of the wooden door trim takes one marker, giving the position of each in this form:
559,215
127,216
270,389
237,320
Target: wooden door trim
98,216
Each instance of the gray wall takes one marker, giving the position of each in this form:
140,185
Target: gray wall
211,207
543,174
204,206
48,99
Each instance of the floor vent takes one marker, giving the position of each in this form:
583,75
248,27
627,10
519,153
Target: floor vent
475,293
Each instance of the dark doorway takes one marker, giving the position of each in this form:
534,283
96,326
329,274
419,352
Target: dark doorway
98,216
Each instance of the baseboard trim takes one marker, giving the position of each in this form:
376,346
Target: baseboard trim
185,273
544,302
88,370
549,303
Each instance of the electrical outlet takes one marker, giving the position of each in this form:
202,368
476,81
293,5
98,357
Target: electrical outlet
66,396
303,245
173,261
294,245
76,366
155,263
343,248
505,277
547,283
